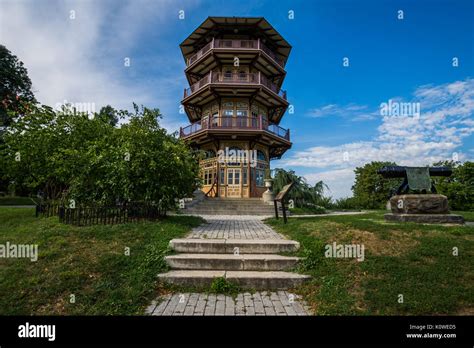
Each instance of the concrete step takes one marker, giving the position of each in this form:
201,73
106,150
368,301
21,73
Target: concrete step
244,279
241,262
220,206
241,204
225,212
228,246
207,206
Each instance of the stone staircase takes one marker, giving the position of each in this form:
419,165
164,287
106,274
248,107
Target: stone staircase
249,263
229,206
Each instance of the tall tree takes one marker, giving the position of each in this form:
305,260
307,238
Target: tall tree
370,189
15,87
459,187
302,192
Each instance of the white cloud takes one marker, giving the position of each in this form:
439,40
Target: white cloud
436,134
81,60
354,111
333,178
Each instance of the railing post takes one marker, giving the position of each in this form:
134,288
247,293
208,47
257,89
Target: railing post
260,117
287,134
259,78
258,43
210,74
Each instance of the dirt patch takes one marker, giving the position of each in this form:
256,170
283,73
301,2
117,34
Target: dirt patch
398,242
323,228
58,307
468,310
357,291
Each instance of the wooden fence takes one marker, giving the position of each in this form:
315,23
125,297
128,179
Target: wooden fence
100,215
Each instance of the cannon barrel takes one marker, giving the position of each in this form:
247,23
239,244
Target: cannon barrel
400,172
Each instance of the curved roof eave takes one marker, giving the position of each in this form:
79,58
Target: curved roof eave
188,45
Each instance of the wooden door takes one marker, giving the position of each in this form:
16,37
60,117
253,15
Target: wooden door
234,178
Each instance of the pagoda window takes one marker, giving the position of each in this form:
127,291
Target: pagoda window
215,119
222,176
261,156
243,75
227,74
255,120
236,177
209,175
227,114
259,176
210,154
242,114
204,121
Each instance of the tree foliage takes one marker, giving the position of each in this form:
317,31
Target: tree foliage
370,189
69,155
459,187
15,87
302,193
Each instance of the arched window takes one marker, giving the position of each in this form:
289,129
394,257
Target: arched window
261,156
210,154
235,155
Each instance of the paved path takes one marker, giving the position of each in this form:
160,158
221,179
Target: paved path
234,227
259,303
336,213
280,303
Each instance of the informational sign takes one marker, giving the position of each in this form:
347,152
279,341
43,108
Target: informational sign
284,191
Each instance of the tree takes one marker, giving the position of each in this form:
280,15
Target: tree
302,192
109,114
459,187
69,155
370,189
15,87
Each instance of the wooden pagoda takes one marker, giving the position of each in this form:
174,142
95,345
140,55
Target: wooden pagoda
235,67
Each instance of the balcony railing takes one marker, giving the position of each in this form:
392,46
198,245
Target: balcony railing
240,123
234,78
237,44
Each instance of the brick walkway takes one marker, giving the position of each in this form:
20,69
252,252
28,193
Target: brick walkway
234,227
260,303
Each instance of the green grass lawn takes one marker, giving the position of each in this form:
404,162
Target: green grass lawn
468,215
413,260
307,211
88,262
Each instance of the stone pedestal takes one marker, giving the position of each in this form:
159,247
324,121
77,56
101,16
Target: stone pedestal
268,195
423,208
426,218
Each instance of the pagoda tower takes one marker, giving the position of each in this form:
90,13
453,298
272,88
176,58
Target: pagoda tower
235,67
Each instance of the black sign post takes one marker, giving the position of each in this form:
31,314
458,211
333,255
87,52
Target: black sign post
281,196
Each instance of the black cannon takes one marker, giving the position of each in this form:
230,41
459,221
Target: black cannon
415,178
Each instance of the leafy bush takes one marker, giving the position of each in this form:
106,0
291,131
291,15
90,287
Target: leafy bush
69,155
347,203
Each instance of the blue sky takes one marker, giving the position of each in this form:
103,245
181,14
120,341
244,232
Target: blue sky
337,124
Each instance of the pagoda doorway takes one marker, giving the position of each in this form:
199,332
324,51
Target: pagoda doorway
234,187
